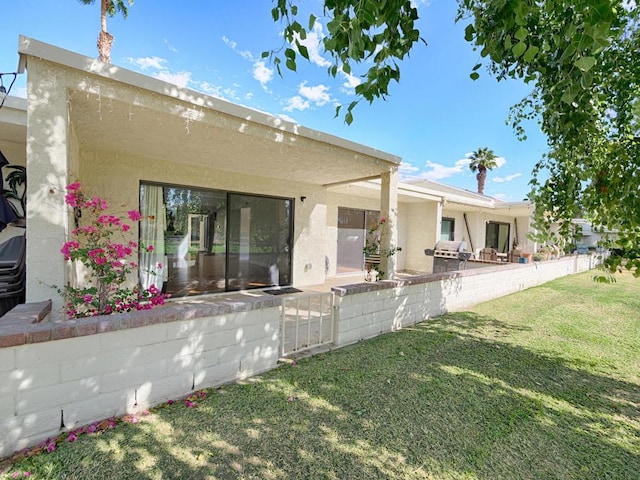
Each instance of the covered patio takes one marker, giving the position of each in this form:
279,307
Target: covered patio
116,131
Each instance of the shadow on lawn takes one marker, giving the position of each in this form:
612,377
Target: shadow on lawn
433,401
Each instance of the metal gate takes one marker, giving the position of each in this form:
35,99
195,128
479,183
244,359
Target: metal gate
306,321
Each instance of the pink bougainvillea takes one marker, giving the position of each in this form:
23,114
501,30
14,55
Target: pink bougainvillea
108,260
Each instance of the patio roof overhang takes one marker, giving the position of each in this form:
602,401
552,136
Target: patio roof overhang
115,110
452,198
13,121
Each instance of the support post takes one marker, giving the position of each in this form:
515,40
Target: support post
389,210
47,174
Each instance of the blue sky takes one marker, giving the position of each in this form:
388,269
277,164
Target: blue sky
433,118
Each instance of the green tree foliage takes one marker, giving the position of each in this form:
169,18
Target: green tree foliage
108,8
580,58
380,32
482,160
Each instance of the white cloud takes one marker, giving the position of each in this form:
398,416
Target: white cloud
229,43
317,94
144,63
437,171
508,178
170,47
296,103
501,196
288,118
246,54
406,169
350,84
209,89
181,79
313,43
262,73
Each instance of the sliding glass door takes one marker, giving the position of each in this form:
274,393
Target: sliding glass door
259,239
213,241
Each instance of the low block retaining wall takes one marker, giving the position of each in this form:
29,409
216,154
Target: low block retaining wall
78,372
365,310
55,376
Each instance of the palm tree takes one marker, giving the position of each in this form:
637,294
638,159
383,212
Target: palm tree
105,39
482,160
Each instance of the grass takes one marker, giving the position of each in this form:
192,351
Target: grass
542,384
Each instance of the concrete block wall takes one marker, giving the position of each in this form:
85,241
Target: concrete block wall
86,378
89,369
365,310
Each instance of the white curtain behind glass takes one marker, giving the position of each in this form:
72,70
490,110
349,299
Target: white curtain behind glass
153,265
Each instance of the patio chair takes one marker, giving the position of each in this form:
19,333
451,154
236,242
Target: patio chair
489,254
12,273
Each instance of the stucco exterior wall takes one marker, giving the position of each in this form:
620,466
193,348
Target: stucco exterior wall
335,201
477,222
423,227
58,156
117,177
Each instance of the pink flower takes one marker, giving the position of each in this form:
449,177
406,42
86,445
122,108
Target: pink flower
189,404
67,247
291,399
95,252
170,402
71,199
159,265
88,298
72,436
150,248
73,186
134,215
125,227
383,220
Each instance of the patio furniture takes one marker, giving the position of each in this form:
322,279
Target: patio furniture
12,273
489,255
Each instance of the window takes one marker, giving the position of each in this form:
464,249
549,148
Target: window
497,236
212,241
447,227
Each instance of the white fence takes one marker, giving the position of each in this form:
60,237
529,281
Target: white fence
306,322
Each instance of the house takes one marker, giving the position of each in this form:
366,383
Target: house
231,198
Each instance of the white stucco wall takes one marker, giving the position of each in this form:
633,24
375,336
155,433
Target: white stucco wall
58,155
117,177
422,227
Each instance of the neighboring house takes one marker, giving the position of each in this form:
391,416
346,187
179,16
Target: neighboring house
231,198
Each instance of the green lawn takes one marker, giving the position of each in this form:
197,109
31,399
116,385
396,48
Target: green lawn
542,384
